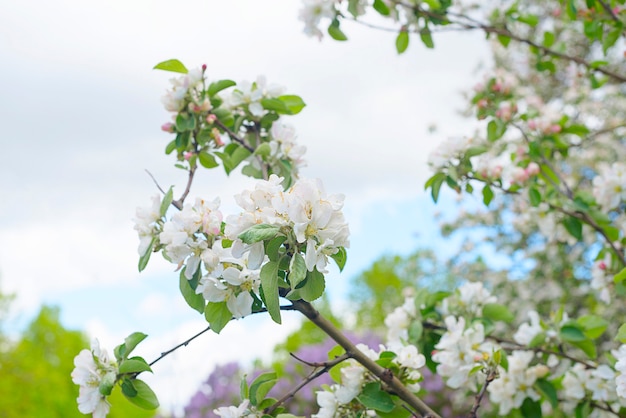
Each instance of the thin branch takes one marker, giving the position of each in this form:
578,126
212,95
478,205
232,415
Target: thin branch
493,373
385,375
320,369
155,182
178,204
585,217
186,342
233,136
473,24
607,8
518,346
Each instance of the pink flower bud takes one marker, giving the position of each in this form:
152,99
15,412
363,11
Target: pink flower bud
167,127
519,175
187,155
532,124
217,137
532,169
211,118
497,86
203,67
555,129
482,103
602,265
205,106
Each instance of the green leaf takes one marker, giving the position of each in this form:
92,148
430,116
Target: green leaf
131,342
261,386
593,325
217,86
402,41
263,150
537,340
340,257
170,147
314,286
143,260
619,277
530,20
497,312
207,160
335,32
427,38
492,130
549,391
293,103
275,105
571,9
548,39
373,397
583,410
172,65
269,283
273,246
144,397
487,194
135,365
571,333
534,196
128,389
217,315
353,7
297,270
531,409
107,383
244,389
185,122
187,289
259,232
588,347
167,201
621,334
381,7
574,227
435,183
504,40
474,151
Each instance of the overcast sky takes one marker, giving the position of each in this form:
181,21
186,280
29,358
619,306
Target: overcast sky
80,113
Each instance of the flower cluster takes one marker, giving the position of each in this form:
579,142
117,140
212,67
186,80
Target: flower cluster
609,186
247,96
95,373
186,93
210,247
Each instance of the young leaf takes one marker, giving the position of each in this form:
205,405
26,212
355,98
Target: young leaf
144,396
619,277
574,227
134,366
427,38
207,160
497,312
487,194
373,397
259,232
297,270
167,200
143,260
335,32
293,103
217,315
381,7
534,196
593,326
571,333
131,342
549,391
621,334
402,41
217,86
172,65
340,258
313,287
193,299
261,386
269,283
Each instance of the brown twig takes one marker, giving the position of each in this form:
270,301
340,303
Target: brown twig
155,182
491,375
320,369
233,136
385,375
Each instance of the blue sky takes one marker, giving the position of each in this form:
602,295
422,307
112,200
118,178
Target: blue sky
80,111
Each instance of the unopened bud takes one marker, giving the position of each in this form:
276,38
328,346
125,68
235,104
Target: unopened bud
187,155
211,118
217,137
167,127
203,67
532,169
602,265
